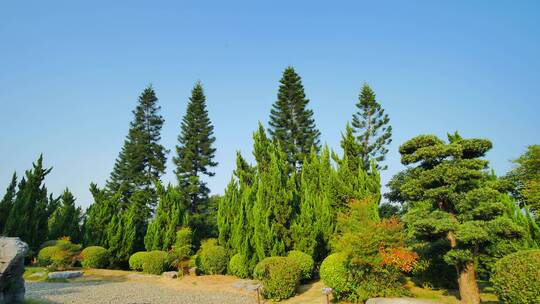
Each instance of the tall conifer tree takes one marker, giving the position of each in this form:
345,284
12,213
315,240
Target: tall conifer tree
373,129
291,122
66,219
7,202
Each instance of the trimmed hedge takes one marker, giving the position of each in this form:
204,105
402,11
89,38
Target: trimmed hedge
304,261
516,277
136,260
334,274
95,257
238,266
61,256
280,276
213,258
155,262
46,254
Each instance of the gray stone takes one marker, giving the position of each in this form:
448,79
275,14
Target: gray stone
12,253
399,301
65,274
194,271
170,274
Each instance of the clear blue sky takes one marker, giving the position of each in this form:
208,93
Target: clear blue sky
71,71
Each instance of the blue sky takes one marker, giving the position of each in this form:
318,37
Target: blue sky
71,72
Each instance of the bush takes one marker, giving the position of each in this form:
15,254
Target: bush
304,261
213,257
155,262
280,276
238,266
335,275
516,277
136,260
94,257
60,256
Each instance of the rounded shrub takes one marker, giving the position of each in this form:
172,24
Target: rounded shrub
516,277
335,275
155,262
213,258
94,257
238,266
136,260
46,254
280,276
304,261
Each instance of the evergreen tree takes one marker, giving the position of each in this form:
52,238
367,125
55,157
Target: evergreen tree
449,199
195,157
525,179
373,129
66,219
7,202
170,216
30,211
352,149
291,122
99,216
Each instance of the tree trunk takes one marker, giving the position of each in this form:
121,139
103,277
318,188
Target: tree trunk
468,287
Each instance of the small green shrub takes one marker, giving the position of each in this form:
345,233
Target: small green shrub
213,257
516,277
136,260
184,237
238,266
95,257
155,262
280,276
335,275
304,261
46,254
62,255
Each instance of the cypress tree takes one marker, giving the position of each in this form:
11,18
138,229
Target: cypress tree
99,216
291,122
373,128
29,213
7,201
195,157
65,220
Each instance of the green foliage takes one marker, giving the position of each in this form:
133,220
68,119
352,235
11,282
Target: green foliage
194,158
65,220
61,256
31,207
213,258
335,274
516,277
280,276
7,202
137,259
95,257
291,122
155,262
525,179
238,266
373,129
98,216
305,263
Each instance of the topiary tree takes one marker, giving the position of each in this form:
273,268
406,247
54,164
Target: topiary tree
95,257
136,260
516,277
448,197
280,276
304,261
213,258
335,274
155,262
62,255
238,266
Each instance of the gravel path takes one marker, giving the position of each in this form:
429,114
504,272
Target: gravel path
127,292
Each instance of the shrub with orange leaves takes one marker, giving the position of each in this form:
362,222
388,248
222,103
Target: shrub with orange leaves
399,257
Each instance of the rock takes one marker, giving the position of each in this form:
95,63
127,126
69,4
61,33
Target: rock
65,274
194,271
12,252
170,274
399,301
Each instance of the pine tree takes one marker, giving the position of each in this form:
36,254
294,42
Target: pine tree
291,122
169,217
7,202
65,220
99,215
373,129
29,213
195,152
352,149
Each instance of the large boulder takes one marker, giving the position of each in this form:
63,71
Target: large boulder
12,253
